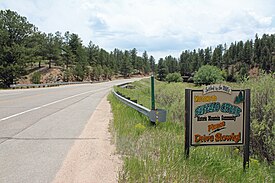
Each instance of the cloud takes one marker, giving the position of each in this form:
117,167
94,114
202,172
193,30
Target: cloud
158,26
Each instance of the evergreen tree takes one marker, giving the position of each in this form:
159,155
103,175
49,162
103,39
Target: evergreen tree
184,62
207,57
35,50
200,57
134,57
162,70
266,59
171,64
257,50
217,56
247,52
195,65
240,54
93,54
67,55
15,31
145,62
152,64
126,66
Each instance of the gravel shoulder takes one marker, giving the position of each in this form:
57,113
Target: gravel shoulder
92,158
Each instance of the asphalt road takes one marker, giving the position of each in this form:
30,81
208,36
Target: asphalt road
39,126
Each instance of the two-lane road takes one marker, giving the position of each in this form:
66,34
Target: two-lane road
39,126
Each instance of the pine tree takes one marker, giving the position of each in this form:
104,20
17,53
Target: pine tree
217,56
257,50
14,54
126,66
162,70
134,57
152,64
247,52
207,57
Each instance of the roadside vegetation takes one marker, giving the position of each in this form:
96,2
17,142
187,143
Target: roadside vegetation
156,153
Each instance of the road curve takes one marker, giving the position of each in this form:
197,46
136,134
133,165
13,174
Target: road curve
39,126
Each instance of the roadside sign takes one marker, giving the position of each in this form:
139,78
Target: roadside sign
217,115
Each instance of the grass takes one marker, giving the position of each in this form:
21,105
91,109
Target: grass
156,153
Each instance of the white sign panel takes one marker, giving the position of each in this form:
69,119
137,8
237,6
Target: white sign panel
217,116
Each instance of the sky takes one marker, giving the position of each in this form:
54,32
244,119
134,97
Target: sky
161,27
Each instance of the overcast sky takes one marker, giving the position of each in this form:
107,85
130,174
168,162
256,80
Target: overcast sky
161,27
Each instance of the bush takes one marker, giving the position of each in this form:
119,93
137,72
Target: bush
263,117
36,77
173,77
79,72
208,74
68,75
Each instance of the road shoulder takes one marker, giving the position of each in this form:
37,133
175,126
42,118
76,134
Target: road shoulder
92,158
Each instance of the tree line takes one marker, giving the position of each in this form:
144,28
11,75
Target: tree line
235,60
22,46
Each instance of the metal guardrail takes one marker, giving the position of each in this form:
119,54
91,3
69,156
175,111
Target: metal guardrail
46,84
132,104
154,115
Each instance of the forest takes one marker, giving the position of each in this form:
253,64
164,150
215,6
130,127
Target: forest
237,61
23,47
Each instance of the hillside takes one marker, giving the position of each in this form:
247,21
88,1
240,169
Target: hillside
48,75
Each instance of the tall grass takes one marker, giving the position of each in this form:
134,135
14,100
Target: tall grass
156,153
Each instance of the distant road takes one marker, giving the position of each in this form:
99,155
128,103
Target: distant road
39,126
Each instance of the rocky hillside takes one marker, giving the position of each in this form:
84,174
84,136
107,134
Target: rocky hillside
47,75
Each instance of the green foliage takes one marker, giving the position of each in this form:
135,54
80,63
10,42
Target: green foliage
98,71
15,32
36,77
155,153
263,117
217,56
22,45
140,128
173,77
79,72
239,56
208,74
126,67
162,70
68,75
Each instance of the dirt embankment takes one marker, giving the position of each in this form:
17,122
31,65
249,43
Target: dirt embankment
48,75
57,74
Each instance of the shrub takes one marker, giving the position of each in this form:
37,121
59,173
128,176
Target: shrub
79,72
173,77
262,117
208,74
36,77
68,75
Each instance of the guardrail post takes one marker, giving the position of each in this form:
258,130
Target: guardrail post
153,107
